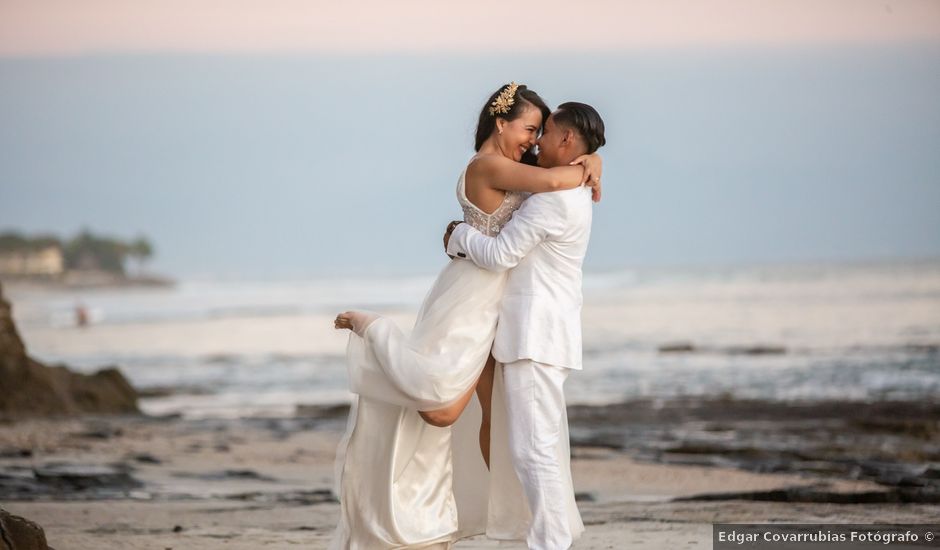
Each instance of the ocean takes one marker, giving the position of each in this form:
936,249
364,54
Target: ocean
237,348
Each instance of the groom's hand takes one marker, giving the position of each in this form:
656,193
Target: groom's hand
447,233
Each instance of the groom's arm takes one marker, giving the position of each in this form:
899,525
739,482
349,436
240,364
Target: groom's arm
540,217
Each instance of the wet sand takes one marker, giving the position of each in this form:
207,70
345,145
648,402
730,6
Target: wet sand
146,482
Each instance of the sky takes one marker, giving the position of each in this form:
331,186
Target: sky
293,138
67,27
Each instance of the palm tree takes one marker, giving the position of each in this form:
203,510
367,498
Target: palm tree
140,249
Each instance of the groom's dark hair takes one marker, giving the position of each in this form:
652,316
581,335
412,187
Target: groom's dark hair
583,119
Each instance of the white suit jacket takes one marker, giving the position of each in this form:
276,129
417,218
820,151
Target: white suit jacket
545,243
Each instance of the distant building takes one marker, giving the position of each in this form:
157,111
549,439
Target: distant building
45,261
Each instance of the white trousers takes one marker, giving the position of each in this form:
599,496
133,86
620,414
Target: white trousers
535,406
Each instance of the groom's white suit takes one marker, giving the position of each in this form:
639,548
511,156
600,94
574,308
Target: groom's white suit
538,339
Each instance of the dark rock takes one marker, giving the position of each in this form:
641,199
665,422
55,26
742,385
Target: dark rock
604,439
168,417
16,453
223,475
677,347
245,474
164,391
593,453
80,477
332,412
29,388
62,480
892,443
585,497
145,458
300,498
101,431
924,428
123,528
177,528
18,533
814,495
756,350
689,347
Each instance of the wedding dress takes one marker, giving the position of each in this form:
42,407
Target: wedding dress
403,483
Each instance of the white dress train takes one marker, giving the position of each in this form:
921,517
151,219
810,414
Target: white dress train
403,483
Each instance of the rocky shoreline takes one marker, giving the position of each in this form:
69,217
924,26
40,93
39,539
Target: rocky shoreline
78,457
892,447
895,444
137,481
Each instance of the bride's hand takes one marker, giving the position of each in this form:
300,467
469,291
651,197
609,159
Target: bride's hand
356,321
593,166
342,321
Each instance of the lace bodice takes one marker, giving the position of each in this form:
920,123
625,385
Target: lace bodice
488,224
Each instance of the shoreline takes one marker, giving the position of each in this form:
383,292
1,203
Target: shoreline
138,481
86,281
893,445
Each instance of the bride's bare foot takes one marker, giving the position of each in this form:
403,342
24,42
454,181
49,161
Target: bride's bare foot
356,321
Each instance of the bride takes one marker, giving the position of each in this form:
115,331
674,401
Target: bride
409,473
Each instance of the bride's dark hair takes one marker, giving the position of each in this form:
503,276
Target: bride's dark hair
524,98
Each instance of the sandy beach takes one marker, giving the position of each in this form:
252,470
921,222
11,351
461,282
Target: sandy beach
747,398
147,482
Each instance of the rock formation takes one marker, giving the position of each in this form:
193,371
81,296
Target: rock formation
29,388
18,533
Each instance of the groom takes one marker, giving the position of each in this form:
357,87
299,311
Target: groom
538,338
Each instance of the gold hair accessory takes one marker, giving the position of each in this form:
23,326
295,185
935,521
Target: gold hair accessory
504,101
